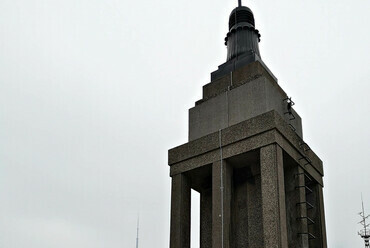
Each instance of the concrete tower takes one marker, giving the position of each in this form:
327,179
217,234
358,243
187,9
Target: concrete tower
260,184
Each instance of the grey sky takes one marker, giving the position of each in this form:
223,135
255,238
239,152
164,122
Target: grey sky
94,92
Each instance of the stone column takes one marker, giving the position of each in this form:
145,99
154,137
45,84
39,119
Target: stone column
180,212
221,204
273,197
206,218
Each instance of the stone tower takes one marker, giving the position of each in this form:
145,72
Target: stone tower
260,184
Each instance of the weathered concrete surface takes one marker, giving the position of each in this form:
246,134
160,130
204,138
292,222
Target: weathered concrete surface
255,225
246,223
221,204
262,161
243,130
253,93
209,117
247,158
249,135
206,218
180,212
273,197
238,77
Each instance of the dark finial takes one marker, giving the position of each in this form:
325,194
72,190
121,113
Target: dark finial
240,2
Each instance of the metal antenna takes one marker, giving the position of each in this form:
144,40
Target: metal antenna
364,233
240,3
137,232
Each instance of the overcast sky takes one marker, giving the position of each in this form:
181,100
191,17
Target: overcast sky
94,92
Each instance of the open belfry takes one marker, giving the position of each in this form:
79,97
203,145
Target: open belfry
260,184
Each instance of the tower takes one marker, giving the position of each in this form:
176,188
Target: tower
364,233
260,184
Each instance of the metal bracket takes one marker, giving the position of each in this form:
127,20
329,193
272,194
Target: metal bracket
305,175
306,188
308,160
309,220
305,146
310,206
310,235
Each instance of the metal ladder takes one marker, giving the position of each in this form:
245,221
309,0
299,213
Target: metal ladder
303,161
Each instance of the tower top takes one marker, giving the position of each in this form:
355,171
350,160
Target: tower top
241,41
241,16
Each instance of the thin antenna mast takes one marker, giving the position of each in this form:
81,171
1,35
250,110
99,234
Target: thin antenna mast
240,2
364,233
137,232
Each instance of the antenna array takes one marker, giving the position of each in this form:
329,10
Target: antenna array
364,233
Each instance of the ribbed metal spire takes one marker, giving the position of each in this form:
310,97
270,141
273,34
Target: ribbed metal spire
241,41
242,37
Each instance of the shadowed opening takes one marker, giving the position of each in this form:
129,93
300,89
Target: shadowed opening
195,219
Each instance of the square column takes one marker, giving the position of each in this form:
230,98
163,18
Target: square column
206,218
273,197
221,204
180,212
